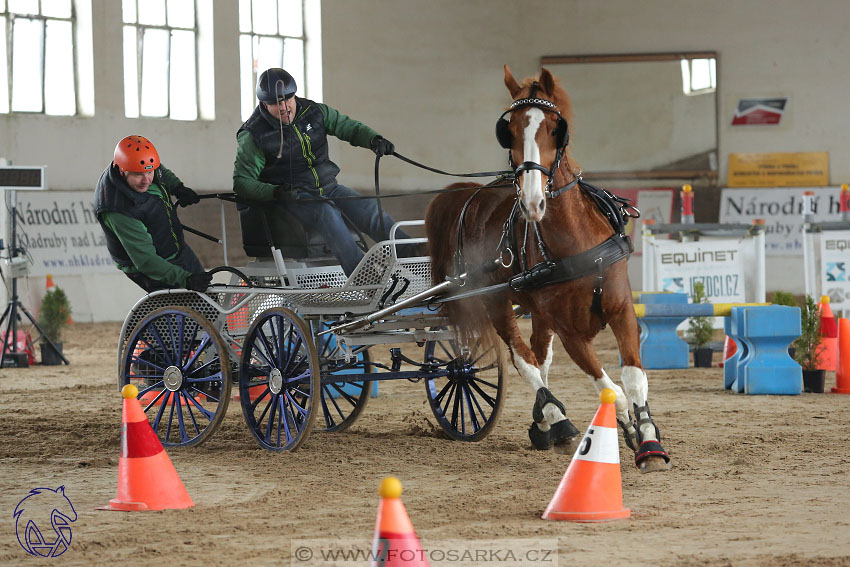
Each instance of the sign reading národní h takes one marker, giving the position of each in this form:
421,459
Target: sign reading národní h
782,209
59,231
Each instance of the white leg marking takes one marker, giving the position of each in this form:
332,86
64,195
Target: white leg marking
637,388
551,413
532,181
622,402
544,368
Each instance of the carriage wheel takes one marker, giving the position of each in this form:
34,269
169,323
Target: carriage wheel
278,379
342,402
467,402
180,365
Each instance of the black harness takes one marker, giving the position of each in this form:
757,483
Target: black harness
547,272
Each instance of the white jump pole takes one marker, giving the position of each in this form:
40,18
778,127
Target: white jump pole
808,244
759,243
648,257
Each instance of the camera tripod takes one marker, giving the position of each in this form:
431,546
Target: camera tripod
10,331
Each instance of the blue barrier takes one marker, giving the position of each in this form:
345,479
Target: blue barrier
763,335
660,344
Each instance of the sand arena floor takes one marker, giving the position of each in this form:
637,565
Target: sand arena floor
756,481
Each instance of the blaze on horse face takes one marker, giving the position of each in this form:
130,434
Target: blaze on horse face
535,138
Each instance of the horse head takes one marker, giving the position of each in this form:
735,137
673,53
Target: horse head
537,136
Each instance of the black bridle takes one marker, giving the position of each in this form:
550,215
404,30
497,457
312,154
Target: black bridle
561,131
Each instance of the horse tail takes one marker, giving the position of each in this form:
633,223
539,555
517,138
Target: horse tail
468,317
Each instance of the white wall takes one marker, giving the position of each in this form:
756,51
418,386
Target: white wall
428,75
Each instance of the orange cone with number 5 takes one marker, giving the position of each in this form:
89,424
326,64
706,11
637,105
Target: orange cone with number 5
592,488
395,543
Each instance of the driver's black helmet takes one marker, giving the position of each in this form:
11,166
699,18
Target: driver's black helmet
274,85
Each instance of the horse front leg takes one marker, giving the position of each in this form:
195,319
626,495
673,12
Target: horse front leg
550,427
650,456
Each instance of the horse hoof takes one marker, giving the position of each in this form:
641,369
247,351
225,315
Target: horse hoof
651,457
654,464
565,437
540,440
567,447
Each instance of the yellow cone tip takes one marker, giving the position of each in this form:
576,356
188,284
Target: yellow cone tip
129,392
687,188
844,187
608,396
824,299
390,487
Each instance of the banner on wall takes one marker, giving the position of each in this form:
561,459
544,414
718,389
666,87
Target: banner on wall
60,233
782,209
835,268
758,111
717,264
794,169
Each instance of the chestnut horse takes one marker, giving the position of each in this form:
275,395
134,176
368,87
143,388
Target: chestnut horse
563,259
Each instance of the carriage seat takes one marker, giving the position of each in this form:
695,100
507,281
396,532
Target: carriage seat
288,234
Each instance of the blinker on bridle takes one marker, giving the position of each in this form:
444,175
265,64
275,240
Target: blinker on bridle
562,133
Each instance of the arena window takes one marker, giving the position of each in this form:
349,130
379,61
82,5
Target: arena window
168,59
279,33
699,76
46,57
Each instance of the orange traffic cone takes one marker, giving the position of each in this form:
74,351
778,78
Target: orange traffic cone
48,284
730,347
842,369
591,490
146,478
395,542
829,336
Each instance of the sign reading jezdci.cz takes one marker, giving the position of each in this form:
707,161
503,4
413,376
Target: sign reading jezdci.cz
717,264
782,209
60,232
798,169
835,268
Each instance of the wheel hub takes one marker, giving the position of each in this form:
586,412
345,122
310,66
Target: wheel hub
275,381
173,378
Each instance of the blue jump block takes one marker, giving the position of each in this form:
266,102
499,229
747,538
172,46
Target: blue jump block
660,344
730,367
763,334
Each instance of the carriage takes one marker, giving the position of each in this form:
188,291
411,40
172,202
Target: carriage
296,339
267,338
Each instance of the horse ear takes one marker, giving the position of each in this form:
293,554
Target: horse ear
547,81
510,82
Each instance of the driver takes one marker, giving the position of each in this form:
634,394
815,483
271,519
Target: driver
132,202
282,155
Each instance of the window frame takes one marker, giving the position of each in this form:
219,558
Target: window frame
202,111
8,38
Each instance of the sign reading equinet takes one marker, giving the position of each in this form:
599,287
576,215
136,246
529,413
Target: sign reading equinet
716,264
835,268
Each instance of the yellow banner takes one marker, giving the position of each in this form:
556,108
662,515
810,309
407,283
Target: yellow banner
800,169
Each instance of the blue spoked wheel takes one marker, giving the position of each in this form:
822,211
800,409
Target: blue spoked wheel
180,365
342,402
279,379
468,400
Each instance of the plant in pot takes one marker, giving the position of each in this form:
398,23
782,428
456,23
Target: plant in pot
53,318
700,330
807,346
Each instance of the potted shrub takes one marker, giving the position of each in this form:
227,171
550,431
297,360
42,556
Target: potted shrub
53,318
700,331
807,346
